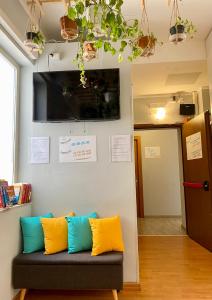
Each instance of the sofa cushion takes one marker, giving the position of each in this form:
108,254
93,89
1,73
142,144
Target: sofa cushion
33,239
79,233
63,258
55,234
107,235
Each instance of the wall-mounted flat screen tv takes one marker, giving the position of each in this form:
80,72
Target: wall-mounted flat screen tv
60,97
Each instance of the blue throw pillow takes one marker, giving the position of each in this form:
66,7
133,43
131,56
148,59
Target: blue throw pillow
32,231
79,233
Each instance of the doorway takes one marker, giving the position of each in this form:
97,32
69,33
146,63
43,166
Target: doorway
159,181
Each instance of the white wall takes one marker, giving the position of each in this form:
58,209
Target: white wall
10,241
209,61
105,187
162,177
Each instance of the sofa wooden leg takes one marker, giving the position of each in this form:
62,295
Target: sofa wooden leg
23,294
115,295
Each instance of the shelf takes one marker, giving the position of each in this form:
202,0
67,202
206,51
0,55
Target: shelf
14,206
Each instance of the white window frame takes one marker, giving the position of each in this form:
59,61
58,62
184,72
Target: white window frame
16,112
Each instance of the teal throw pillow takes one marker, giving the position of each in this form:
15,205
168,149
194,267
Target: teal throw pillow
79,233
32,232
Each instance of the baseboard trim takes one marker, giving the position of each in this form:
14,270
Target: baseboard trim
132,286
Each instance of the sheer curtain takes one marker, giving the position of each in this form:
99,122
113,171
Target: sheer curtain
7,118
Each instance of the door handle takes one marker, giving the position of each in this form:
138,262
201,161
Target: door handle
197,185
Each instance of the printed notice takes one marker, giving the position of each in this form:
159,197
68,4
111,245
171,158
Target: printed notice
152,152
120,148
39,150
77,149
194,146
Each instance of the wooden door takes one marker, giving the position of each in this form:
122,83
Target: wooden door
197,177
138,177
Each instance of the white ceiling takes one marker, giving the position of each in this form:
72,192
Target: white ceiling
170,77
158,11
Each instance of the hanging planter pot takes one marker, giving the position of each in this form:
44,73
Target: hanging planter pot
30,35
177,34
89,51
147,44
69,30
182,27
30,41
95,18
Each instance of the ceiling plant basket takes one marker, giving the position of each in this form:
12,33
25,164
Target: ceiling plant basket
35,40
69,30
177,34
89,51
146,42
94,14
29,41
181,28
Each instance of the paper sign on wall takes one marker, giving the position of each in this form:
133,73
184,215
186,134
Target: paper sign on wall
194,146
39,150
120,148
152,152
77,149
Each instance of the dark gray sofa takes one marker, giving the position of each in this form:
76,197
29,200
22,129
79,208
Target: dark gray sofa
63,271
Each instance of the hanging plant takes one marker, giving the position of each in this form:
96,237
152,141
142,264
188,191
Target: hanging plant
147,44
115,33
89,51
95,18
69,30
146,40
35,40
180,28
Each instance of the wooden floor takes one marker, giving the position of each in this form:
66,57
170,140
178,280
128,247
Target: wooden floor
171,268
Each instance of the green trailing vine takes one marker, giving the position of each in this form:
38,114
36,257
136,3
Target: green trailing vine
117,33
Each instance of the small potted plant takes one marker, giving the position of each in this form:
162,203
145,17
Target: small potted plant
89,51
182,27
35,40
147,44
94,16
181,30
69,30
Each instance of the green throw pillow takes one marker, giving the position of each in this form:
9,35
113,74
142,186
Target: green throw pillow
32,232
79,233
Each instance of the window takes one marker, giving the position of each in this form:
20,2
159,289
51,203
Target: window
8,81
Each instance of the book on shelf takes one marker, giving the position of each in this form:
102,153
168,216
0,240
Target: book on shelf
23,192
2,203
18,193
5,196
11,193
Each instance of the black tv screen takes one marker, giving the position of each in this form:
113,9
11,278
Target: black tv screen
59,96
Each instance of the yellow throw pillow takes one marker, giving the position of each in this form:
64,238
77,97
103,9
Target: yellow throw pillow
107,235
55,234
